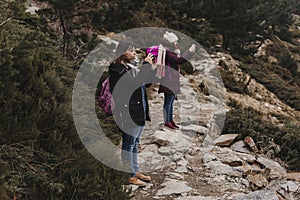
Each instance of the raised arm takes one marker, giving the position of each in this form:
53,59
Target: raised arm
174,58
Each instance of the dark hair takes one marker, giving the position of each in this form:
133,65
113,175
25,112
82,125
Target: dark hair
122,59
123,46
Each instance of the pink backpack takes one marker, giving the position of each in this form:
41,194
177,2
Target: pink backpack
105,99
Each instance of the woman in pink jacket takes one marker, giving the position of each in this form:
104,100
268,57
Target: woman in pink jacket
169,74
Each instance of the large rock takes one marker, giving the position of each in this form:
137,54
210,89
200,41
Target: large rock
240,146
231,159
214,130
225,140
220,168
261,195
196,198
164,138
246,157
277,171
195,128
173,187
225,155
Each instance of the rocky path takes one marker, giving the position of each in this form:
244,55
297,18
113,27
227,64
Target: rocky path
193,163
174,158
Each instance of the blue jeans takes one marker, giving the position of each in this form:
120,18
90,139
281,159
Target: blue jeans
130,143
168,107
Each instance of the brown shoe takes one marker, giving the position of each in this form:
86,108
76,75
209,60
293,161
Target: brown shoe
136,181
143,177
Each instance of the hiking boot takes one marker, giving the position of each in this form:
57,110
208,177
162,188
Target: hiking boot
169,125
136,181
174,125
143,177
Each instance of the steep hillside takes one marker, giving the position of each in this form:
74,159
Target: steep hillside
255,45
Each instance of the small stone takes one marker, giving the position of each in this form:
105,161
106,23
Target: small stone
290,186
173,175
166,151
258,180
250,142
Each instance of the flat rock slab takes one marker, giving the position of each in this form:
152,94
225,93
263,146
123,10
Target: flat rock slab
277,171
172,186
196,198
261,195
225,140
195,128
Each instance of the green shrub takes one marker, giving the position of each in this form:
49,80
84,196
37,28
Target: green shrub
247,122
276,79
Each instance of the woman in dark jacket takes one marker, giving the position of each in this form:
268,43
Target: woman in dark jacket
126,85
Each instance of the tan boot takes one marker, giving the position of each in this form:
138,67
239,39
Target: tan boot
143,177
136,181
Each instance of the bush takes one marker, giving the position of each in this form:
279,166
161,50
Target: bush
277,80
247,122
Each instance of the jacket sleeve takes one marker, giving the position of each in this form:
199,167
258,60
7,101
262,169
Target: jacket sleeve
174,58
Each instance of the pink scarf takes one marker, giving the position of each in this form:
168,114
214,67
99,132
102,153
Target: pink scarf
160,62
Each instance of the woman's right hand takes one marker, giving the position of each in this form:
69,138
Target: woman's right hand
150,58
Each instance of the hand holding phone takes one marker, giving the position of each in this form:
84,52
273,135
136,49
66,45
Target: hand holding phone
150,58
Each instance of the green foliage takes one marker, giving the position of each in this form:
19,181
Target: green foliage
276,79
289,63
247,122
290,144
231,84
36,174
41,155
3,183
239,21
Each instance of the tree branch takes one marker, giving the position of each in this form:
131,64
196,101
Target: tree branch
4,22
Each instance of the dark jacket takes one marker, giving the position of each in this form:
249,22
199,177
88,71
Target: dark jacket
129,87
170,83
